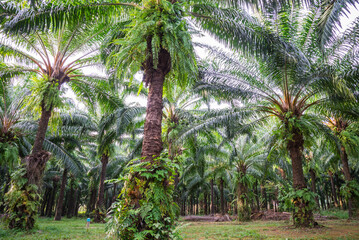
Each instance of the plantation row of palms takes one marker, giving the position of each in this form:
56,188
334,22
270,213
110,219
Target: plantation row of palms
285,79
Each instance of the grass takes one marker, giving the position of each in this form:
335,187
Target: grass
47,229
75,229
341,214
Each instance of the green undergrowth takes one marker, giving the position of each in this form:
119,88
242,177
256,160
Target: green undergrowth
341,214
47,228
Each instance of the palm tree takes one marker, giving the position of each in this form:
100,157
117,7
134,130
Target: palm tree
52,60
247,155
64,145
285,85
14,143
347,131
12,139
112,128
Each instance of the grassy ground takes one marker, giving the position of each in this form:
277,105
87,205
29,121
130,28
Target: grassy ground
75,229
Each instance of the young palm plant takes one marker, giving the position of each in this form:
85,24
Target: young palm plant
246,155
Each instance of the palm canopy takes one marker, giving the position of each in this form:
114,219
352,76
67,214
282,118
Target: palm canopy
13,142
285,83
56,57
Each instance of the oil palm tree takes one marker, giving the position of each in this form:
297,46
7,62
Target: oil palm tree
347,131
285,82
246,156
112,129
13,143
50,61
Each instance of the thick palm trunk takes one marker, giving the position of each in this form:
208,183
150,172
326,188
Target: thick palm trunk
346,171
36,161
302,216
152,139
60,201
154,77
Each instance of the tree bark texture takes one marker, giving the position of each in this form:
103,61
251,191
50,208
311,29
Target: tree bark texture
303,215
36,161
60,200
152,138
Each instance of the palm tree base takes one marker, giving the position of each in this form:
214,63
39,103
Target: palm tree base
146,206
35,166
303,215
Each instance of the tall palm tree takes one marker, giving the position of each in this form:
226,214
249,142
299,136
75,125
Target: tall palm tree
285,84
51,60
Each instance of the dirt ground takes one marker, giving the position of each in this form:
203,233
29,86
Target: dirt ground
259,229
262,215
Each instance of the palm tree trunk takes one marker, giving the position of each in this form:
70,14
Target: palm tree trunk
257,196
152,139
313,185
334,193
101,191
222,196
72,200
92,201
60,201
100,203
244,211
346,171
212,197
52,198
45,201
36,161
302,216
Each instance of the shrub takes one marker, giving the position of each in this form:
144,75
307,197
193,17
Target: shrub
145,208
